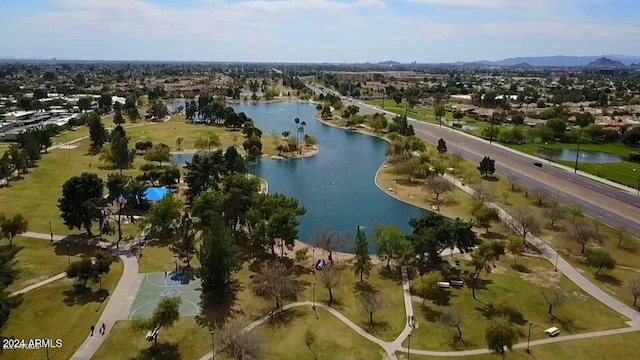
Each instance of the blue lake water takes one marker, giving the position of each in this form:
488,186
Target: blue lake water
336,186
591,157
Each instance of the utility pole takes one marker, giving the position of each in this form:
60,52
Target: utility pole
213,344
528,349
575,169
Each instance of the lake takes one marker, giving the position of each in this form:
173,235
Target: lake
590,157
336,186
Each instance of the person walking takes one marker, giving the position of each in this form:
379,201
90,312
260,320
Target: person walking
92,328
103,329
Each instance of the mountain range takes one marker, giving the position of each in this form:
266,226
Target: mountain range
566,61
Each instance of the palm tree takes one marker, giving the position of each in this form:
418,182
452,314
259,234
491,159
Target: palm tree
179,142
300,131
297,121
286,134
303,124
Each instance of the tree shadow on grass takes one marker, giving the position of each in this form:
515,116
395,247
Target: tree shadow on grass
161,351
628,248
609,279
429,313
284,318
217,312
438,296
566,323
79,295
491,311
490,235
458,344
391,273
520,268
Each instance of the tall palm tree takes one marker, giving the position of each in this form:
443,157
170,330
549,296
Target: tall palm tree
297,121
303,124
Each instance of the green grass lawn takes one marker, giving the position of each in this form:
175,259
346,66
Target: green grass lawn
184,340
390,319
158,258
522,290
615,347
54,311
621,172
334,340
36,260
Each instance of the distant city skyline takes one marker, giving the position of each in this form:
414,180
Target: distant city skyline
345,31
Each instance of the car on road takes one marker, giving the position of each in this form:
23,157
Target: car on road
538,164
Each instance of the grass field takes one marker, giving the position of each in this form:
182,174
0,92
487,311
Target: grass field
391,318
333,338
37,260
184,340
54,311
519,288
621,172
158,258
615,347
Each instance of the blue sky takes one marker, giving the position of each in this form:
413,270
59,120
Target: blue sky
317,30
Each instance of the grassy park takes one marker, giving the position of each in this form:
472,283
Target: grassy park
520,287
614,347
58,311
37,260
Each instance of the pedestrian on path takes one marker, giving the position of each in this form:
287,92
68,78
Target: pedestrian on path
103,329
165,274
92,328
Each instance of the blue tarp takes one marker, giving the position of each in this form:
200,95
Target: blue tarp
156,193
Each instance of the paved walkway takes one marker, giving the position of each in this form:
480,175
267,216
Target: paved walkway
39,284
564,267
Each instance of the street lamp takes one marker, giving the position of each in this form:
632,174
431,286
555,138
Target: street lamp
575,169
313,296
556,267
634,170
409,344
68,254
50,232
213,344
313,258
528,349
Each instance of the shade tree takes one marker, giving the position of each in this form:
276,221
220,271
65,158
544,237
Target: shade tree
329,278
487,166
89,268
12,226
165,315
233,338
219,258
82,201
523,222
362,265
275,282
162,220
600,259
371,301
554,296
501,334
392,244
483,258
328,240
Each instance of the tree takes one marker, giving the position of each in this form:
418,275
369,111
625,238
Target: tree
133,114
362,265
584,232
18,158
310,340
166,313
163,217
541,195
329,241
118,118
482,258
634,289
501,334
433,234
554,296
523,222
484,215
442,147
204,172
329,278
276,282
253,146
600,259
392,244
119,193
234,162
184,243
457,116
236,341
211,141
219,258
371,301
105,101
240,195
159,110
452,317
554,212
622,234
516,248
82,201
90,269
575,212
159,152
439,112
97,132
179,141
487,166
84,103
13,226
119,153
438,186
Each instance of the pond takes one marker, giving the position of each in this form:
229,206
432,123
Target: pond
591,157
336,186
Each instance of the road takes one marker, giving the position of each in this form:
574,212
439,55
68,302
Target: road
614,207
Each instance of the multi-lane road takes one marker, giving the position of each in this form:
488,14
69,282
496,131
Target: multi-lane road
614,207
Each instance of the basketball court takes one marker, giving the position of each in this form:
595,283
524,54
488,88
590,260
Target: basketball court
156,286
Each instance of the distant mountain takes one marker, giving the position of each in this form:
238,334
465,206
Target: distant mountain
560,61
606,63
523,66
